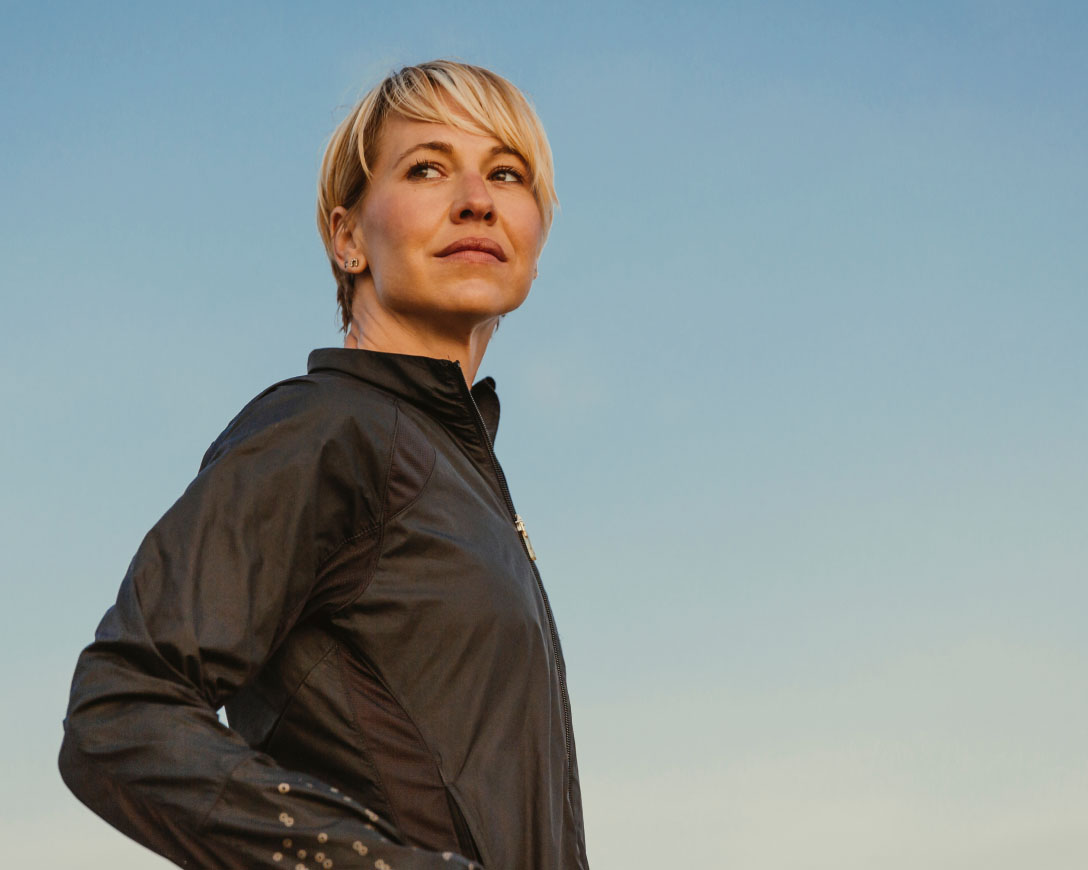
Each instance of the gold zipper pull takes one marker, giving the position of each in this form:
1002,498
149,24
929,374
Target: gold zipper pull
519,524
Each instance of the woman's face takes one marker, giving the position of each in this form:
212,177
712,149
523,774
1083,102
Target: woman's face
449,228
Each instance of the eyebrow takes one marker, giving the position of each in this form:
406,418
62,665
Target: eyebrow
447,148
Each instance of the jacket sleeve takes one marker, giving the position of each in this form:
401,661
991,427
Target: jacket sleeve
212,590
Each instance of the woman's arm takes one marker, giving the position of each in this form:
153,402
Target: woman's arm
213,589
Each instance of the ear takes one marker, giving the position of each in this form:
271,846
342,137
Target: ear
345,245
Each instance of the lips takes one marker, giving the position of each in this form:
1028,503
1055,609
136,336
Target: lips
473,244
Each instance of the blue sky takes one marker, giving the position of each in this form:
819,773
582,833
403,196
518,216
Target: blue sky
796,412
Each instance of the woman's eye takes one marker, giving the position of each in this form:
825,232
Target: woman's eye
507,174
424,169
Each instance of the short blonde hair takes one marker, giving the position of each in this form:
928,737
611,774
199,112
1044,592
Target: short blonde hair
467,97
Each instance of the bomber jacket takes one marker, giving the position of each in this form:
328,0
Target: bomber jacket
347,576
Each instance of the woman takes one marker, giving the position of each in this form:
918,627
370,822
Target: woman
347,573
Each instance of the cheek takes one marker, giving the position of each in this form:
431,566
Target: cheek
534,236
390,228
527,227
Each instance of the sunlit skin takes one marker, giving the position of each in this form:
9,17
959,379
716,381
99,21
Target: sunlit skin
435,187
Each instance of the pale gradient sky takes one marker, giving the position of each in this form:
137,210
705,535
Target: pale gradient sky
796,413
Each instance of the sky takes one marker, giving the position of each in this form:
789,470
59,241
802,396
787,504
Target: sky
795,413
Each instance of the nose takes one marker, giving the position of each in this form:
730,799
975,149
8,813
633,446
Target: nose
473,201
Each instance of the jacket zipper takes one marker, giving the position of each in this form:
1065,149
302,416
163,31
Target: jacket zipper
519,524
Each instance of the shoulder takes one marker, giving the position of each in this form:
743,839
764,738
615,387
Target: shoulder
308,415
314,449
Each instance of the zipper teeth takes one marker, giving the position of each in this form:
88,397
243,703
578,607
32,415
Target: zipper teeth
479,420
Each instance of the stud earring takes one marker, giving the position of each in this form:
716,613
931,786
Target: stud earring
351,264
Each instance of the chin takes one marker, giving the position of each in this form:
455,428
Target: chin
477,299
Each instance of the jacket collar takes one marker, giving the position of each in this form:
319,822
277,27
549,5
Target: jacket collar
435,385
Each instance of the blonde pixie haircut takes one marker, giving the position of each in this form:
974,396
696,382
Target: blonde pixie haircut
467,97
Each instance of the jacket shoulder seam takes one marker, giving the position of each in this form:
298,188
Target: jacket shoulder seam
377,527
393,453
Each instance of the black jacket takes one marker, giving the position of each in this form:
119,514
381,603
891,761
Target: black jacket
347,575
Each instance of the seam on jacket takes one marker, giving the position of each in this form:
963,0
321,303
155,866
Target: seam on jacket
289,620
389,461
435,757
219,794
340,654
270,736
354,596
375,527
422,487
408,716
350,539
380,525
474,839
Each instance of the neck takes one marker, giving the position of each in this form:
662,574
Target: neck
387,332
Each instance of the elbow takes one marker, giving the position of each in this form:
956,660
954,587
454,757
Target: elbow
95,784
84,756
73,763
90,776
67,762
